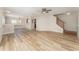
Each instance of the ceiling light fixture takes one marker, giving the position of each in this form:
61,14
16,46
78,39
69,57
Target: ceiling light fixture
43,12
7,11
68,13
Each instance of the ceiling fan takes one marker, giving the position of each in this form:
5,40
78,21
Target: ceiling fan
44,10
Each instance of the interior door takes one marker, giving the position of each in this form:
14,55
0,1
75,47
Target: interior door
34,24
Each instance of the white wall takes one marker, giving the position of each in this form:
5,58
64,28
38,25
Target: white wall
29,24
70,21
47,22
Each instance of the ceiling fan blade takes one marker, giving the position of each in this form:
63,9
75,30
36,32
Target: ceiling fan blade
46,11
43,9
49,10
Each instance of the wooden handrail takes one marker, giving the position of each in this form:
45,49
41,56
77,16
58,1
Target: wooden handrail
60,22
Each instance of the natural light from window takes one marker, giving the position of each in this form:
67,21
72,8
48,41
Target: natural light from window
14,22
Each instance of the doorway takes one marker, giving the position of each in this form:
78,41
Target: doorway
34,24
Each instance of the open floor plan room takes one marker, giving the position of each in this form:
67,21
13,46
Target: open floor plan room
26,40
39,29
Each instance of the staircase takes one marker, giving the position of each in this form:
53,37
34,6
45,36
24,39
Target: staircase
59,22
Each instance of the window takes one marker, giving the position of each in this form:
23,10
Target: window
13,21
16,21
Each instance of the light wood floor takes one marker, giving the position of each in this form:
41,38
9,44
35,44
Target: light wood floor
26,40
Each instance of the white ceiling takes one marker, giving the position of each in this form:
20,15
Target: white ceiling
27,11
